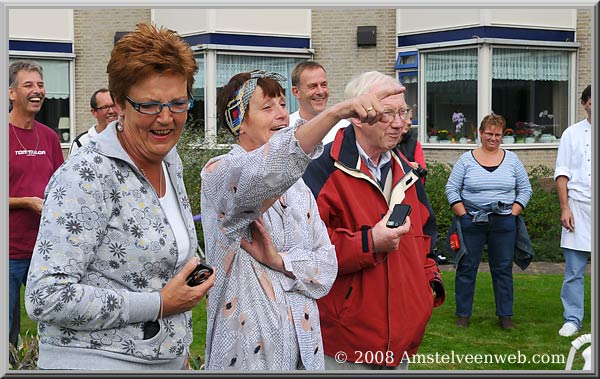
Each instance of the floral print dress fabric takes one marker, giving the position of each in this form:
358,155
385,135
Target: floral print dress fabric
258,318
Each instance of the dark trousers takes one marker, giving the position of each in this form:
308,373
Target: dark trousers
499,235
17,272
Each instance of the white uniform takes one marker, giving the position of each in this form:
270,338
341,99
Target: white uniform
574,160
330,135
83,139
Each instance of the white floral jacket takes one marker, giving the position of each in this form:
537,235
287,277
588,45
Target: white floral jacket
103,252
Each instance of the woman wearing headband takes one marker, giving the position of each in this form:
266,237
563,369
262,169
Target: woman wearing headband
263,231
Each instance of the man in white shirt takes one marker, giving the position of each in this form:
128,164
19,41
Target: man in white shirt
573,175
309,86
103,109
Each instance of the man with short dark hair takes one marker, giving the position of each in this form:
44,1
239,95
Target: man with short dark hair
103,109
310,87
34,154
573,175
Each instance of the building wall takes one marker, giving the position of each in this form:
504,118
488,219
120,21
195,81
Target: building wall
580,20
184,21
332,32
583,35
550,18
52,25
264,21
275,22
412,20
334,40
94,32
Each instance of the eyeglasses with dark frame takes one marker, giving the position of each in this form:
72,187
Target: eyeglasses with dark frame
104,108
154,108
390,115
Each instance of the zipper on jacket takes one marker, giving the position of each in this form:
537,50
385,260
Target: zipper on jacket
349,292
389,322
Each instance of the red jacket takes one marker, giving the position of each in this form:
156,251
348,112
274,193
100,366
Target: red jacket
379,303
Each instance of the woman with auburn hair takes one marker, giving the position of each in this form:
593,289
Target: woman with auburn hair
107,283
263,231
487,190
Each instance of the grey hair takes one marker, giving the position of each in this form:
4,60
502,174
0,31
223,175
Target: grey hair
22,65
361,84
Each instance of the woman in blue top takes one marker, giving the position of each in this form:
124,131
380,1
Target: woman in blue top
487,188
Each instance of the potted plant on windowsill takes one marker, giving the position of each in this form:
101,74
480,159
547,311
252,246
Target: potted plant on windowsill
523,133
462,139
547,128
508,136
444,136
433,135
547,135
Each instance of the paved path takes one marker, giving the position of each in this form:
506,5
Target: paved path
534,268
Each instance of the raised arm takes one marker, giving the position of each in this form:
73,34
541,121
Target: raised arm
366,107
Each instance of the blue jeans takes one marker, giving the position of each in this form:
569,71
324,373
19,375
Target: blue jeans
17,269
572,289
499,235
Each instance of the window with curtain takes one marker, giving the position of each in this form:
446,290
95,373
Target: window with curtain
530,88
451,95
196,115
411,82
229,65
55,111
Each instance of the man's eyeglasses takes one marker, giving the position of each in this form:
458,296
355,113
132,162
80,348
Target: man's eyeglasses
104,108
153,107
390,115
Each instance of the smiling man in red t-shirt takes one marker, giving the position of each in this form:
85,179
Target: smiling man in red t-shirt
34,155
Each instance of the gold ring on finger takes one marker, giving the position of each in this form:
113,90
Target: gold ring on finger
369,109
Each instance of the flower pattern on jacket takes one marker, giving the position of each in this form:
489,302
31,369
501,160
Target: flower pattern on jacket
104,240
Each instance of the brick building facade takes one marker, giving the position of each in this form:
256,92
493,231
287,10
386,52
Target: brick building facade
94,37
333,39
334,42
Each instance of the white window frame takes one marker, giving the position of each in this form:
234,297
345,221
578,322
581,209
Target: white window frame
484,81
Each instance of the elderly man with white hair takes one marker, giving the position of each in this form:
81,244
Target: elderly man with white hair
375,315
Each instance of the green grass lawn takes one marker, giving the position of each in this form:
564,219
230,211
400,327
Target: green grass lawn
537,315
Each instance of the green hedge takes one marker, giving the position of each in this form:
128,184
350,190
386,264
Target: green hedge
542,214
194,157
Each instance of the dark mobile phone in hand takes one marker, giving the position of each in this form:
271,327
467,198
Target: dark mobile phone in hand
199,275
398,216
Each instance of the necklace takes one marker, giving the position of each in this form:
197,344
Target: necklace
30,153
160,180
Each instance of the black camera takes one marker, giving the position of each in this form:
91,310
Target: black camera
199,275
420,171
